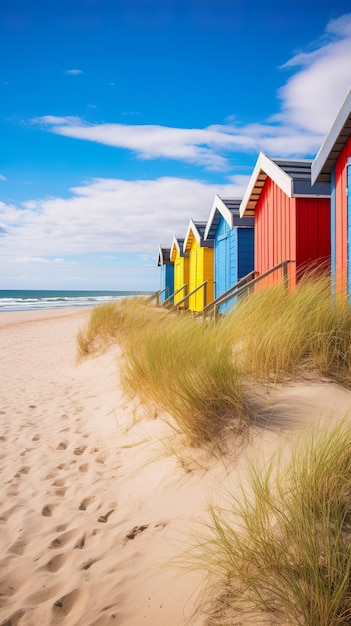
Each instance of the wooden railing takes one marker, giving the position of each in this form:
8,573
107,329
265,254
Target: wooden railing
157,294
227,295
238,290
191,293
168,300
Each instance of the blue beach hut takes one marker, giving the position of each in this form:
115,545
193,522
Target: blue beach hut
167,273
233,244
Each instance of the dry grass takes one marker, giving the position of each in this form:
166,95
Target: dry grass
281,552
186,368
278,333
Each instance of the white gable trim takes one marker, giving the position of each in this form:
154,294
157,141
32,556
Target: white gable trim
266,167
218,205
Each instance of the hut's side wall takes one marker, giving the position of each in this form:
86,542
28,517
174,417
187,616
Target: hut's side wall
181,277
167,281
222,258
275,231
200,269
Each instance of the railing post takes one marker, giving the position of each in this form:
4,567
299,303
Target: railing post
205,295
285,275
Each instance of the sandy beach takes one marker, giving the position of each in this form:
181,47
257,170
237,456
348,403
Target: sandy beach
94,509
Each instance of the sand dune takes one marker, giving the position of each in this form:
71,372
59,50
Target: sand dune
92,509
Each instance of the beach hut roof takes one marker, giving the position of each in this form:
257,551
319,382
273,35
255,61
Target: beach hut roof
177,246
164,256
228,208
333,143
293,176
196,230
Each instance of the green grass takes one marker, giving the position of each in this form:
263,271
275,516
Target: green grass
280,553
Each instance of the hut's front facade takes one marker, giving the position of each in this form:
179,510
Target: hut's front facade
291,218
180,261
233,241
333,164
200,265
167,273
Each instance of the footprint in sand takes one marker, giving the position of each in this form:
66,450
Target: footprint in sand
18,547
103,518
62,445
63,539
59,482
80,450
84,468
63,606
85,503
48,510
42,595
80,544
56,562
87,564
136,530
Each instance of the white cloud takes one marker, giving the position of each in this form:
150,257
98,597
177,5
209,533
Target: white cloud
73,72
37,259
312,96
108,216
2,177
208,147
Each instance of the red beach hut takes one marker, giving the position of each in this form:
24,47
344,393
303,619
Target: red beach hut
291,218
333,164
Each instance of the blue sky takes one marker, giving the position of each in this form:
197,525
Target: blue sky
121,119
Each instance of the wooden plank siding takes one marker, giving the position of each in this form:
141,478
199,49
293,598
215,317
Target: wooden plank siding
200,269
181,274
275,231
167,281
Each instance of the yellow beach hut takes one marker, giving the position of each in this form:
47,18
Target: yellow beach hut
180,261
200,266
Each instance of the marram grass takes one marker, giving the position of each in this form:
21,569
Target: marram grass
280,553
186,368
277,333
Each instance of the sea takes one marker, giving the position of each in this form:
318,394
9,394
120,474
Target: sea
33,300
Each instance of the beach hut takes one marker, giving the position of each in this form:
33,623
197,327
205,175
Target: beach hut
291,218
233,243
180,261
167,273
333,164
200,266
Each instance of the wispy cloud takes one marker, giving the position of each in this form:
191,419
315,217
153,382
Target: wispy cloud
2,177
73,72
208,147
37,259
312,96
309,101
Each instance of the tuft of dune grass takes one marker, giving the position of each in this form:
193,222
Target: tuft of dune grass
277,333
113,321
280,552
186,368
